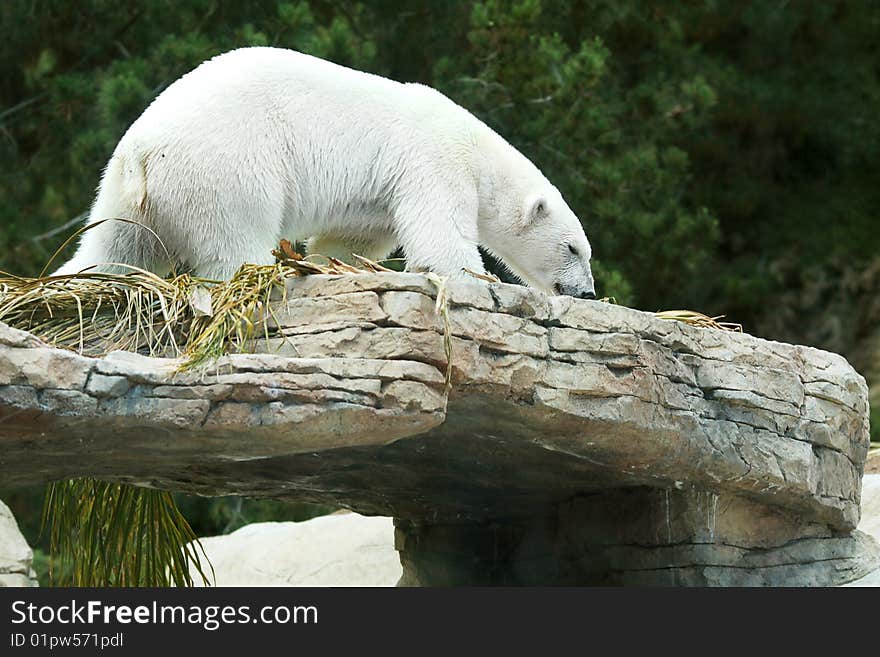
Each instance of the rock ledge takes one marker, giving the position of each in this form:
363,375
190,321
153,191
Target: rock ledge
593,442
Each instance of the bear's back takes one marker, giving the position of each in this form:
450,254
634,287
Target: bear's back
266,101
242,84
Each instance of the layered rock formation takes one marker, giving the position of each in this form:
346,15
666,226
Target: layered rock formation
580,442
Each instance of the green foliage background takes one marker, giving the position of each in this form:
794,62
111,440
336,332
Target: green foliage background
722,154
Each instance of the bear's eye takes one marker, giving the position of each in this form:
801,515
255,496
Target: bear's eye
573,250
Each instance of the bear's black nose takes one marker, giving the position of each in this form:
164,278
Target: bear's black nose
587,295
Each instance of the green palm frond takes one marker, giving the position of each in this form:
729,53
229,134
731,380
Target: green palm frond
107,534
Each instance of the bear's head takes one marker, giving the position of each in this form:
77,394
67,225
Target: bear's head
546,246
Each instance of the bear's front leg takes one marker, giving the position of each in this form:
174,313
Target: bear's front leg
439,235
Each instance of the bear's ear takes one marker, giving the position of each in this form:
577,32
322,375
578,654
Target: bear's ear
535,209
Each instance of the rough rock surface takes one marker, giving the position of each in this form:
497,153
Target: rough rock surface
644,537
553,400
16,555
336,550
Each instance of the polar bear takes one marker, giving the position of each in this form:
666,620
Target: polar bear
262,143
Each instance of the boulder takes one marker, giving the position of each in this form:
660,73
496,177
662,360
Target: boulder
337,550
16,556
579,442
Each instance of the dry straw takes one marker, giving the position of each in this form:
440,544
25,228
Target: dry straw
699,319
95,312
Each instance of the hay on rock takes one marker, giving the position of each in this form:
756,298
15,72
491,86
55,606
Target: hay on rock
95,313
694,318
184,316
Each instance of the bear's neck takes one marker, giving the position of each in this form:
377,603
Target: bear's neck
505,176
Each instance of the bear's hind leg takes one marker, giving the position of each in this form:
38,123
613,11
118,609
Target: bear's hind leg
222,268
378,248
375,247
119,247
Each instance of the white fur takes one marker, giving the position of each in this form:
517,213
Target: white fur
263,143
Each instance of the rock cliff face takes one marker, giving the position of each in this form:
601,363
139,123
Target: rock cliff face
580,442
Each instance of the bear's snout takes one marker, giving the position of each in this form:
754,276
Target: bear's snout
576,292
